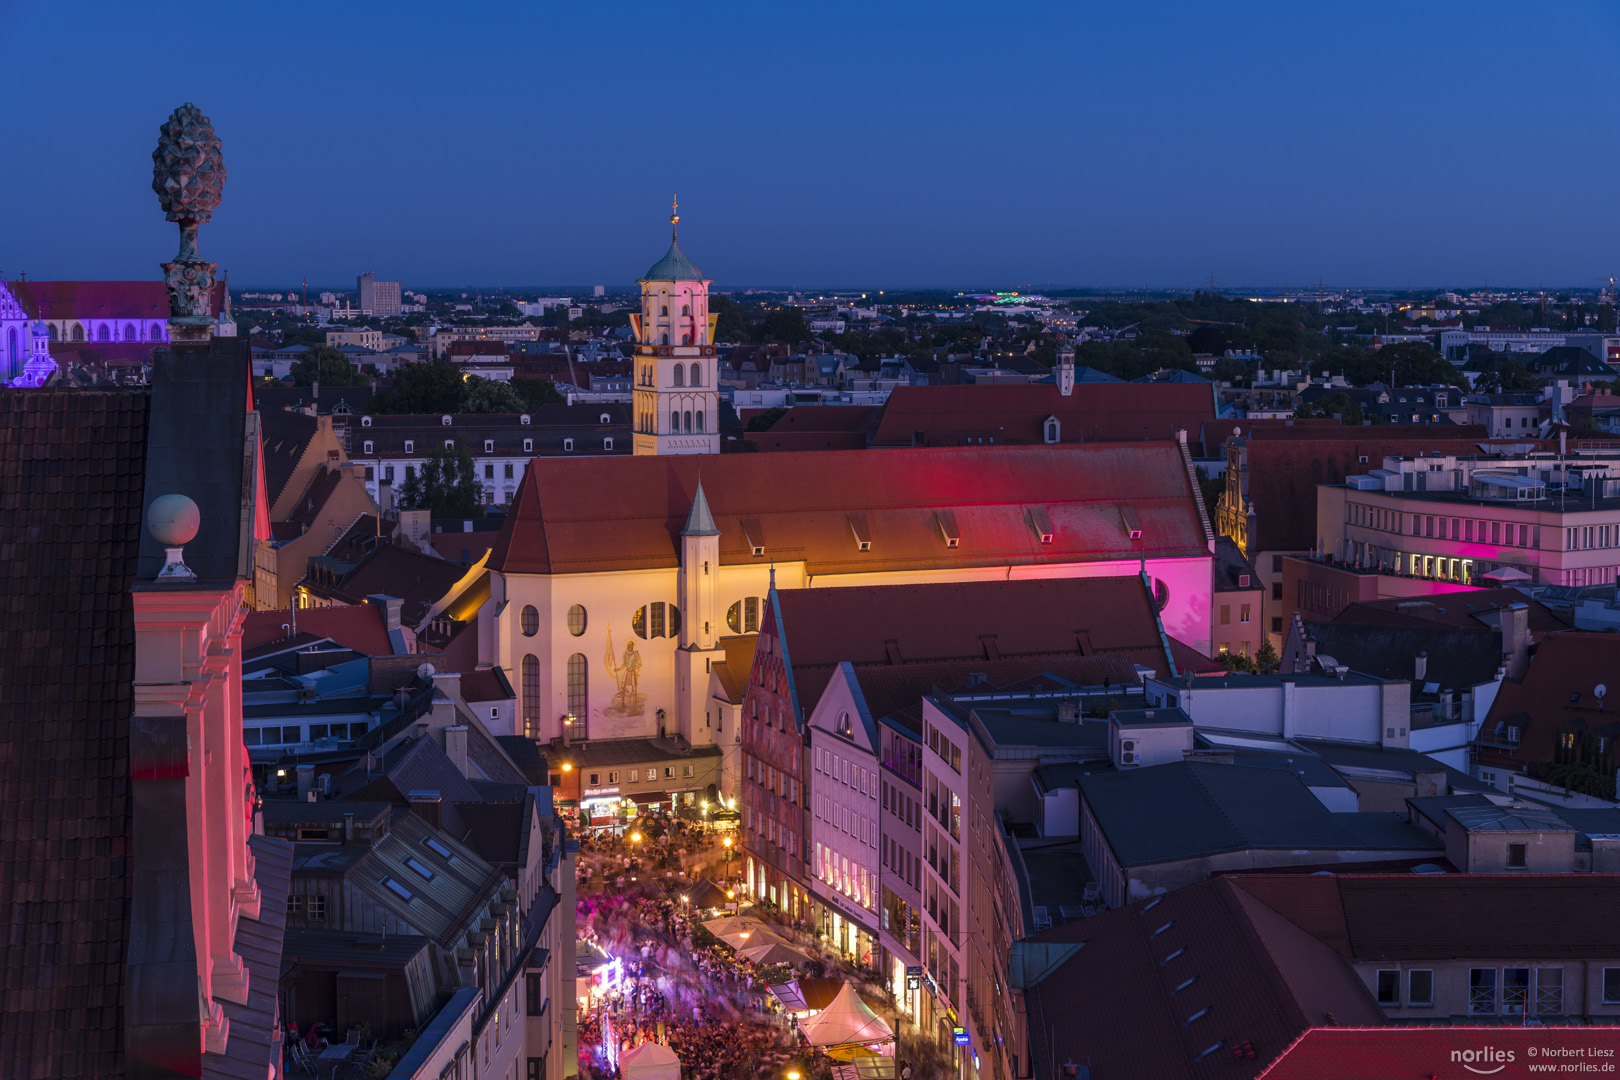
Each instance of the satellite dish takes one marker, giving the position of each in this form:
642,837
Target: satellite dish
1237,430
424,671
1600,690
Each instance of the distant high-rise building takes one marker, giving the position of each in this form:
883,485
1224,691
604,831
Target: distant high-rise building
378,298
598,290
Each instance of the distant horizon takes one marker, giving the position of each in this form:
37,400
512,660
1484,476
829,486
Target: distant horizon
1149,145
1033,289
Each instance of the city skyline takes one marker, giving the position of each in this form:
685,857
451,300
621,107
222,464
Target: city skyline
900,150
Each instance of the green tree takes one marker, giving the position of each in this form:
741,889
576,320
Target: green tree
1266,658
1207,339
490,396
766,420
432,386
536,392
785,325
326,365
734,326
447,485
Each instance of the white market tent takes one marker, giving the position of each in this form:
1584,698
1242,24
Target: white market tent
846,1021
650,1061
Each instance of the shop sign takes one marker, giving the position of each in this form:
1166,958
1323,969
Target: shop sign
961,1036
600,791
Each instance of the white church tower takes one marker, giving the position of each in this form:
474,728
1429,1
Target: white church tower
676,403
700,646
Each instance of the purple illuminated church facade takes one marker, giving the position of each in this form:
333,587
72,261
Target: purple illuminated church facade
37,315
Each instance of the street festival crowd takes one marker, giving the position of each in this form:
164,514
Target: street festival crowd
680,986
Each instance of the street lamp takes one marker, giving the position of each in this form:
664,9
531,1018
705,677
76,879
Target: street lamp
635,838
727,843
793,1074
568,766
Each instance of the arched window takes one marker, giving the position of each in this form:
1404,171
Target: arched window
697,374
51,329
686,339
11,344
78,332
1051,429
674,422
664,311
686,310
680,375
689,421
129,331
531,696
578,691
665,340
104,334
157,332
699,428
576,620
529,621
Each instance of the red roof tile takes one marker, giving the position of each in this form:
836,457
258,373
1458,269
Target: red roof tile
1426,1052
1543,703
618,513
1106,412
358,627
1166,988
1378,917
1286,464
100,299
72,468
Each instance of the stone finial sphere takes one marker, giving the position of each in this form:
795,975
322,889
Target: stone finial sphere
173,520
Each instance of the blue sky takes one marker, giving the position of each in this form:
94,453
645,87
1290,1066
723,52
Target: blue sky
870,145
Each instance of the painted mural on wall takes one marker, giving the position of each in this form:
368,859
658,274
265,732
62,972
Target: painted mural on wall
626,673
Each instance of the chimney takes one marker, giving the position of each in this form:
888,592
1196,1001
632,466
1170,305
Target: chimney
389,606
348,828
1516,640
306,782
455,747
1420,667
425,805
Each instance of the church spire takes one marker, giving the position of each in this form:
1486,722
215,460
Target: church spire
700,522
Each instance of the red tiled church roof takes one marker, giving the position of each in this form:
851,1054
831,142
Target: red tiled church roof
353,626
72,467
1105,412
619,513
100,299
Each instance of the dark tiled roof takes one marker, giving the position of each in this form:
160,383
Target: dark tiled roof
1558,694
418,580
1157,983
71,468
284,435
1457,659
496,830
1378,917
354,626
1109,412
1469,609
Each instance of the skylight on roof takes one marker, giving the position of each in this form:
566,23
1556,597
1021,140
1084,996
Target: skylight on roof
437,848
427,875
1184,984
1199,1015
1210,1049
399,890
1172,956
1151,904
1163,928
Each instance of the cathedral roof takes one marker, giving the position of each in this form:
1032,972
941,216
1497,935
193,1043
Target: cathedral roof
674,266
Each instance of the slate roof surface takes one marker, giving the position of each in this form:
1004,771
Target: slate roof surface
418,580
1457,659
196,439
1012,413
253,1049
1157,983
1469,609
626,512
1375,917
71,481
1184,810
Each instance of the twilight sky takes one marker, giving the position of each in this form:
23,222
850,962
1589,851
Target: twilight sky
829,144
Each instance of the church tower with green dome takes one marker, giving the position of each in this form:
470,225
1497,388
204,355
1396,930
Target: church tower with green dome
676,402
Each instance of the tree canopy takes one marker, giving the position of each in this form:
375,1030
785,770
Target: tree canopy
431,386
447,485
327,366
